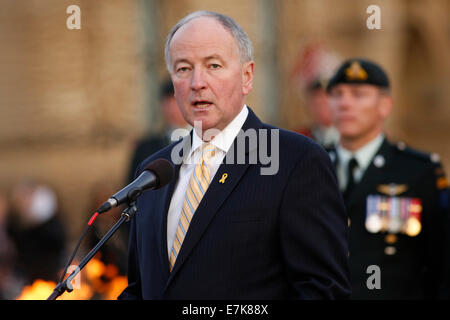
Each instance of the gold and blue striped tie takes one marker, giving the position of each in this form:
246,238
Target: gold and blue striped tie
198,184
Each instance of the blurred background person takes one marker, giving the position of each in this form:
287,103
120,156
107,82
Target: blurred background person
312,73
38,233
396,196
9,283
173,119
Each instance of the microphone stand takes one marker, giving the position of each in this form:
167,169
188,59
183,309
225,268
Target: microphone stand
66,285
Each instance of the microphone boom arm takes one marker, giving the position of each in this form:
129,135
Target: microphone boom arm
66,285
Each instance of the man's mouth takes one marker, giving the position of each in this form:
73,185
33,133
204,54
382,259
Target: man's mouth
346,118
201,104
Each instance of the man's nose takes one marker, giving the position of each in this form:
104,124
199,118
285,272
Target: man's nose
198,80
344,102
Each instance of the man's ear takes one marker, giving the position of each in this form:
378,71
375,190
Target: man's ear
248,71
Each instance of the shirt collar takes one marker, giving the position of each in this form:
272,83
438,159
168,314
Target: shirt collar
225,138
363,155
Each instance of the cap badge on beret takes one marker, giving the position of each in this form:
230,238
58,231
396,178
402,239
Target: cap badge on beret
355,72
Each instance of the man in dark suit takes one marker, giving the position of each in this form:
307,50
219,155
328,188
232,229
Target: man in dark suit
235,223
397,197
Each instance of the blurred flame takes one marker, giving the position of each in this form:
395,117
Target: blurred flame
98,279
116,286
39,290
85,292
94,269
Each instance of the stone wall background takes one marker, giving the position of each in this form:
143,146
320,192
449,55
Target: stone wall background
72,102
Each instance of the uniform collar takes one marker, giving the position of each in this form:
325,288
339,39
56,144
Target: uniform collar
363,155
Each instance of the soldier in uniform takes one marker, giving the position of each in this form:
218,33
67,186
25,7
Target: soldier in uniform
397,198
311,75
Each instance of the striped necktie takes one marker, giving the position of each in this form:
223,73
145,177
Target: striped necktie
198,184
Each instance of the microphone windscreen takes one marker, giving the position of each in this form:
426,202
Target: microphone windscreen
163,169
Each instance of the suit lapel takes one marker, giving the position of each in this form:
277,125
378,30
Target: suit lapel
165,201
216,194
166,198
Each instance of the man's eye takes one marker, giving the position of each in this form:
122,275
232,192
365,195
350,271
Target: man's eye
214,66
335,94
359,93
182,69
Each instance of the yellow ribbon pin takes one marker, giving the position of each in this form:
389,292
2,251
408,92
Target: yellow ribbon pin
224,176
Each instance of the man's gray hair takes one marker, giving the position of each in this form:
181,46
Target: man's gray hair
242,40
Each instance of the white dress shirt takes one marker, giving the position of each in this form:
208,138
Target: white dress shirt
223,142
363,156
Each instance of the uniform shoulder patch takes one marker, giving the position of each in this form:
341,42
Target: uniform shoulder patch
419,155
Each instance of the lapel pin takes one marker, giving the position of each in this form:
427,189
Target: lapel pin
224,176
379,161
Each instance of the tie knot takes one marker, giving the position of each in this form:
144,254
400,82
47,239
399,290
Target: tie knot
352,164
208,151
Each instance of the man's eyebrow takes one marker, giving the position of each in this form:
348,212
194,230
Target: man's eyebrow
210,57
181,60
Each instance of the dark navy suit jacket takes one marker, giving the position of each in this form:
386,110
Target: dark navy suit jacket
255,236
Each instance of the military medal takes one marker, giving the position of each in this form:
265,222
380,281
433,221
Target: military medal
373,223
373,219
393,214
413,224
413,227
384,211
395,223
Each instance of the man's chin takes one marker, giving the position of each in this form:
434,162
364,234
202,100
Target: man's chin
206,128
349,131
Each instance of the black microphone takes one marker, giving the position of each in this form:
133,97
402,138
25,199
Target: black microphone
156,174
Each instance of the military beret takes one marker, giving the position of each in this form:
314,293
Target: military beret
359,71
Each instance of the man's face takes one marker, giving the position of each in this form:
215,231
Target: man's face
358,110
209,79
317,104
